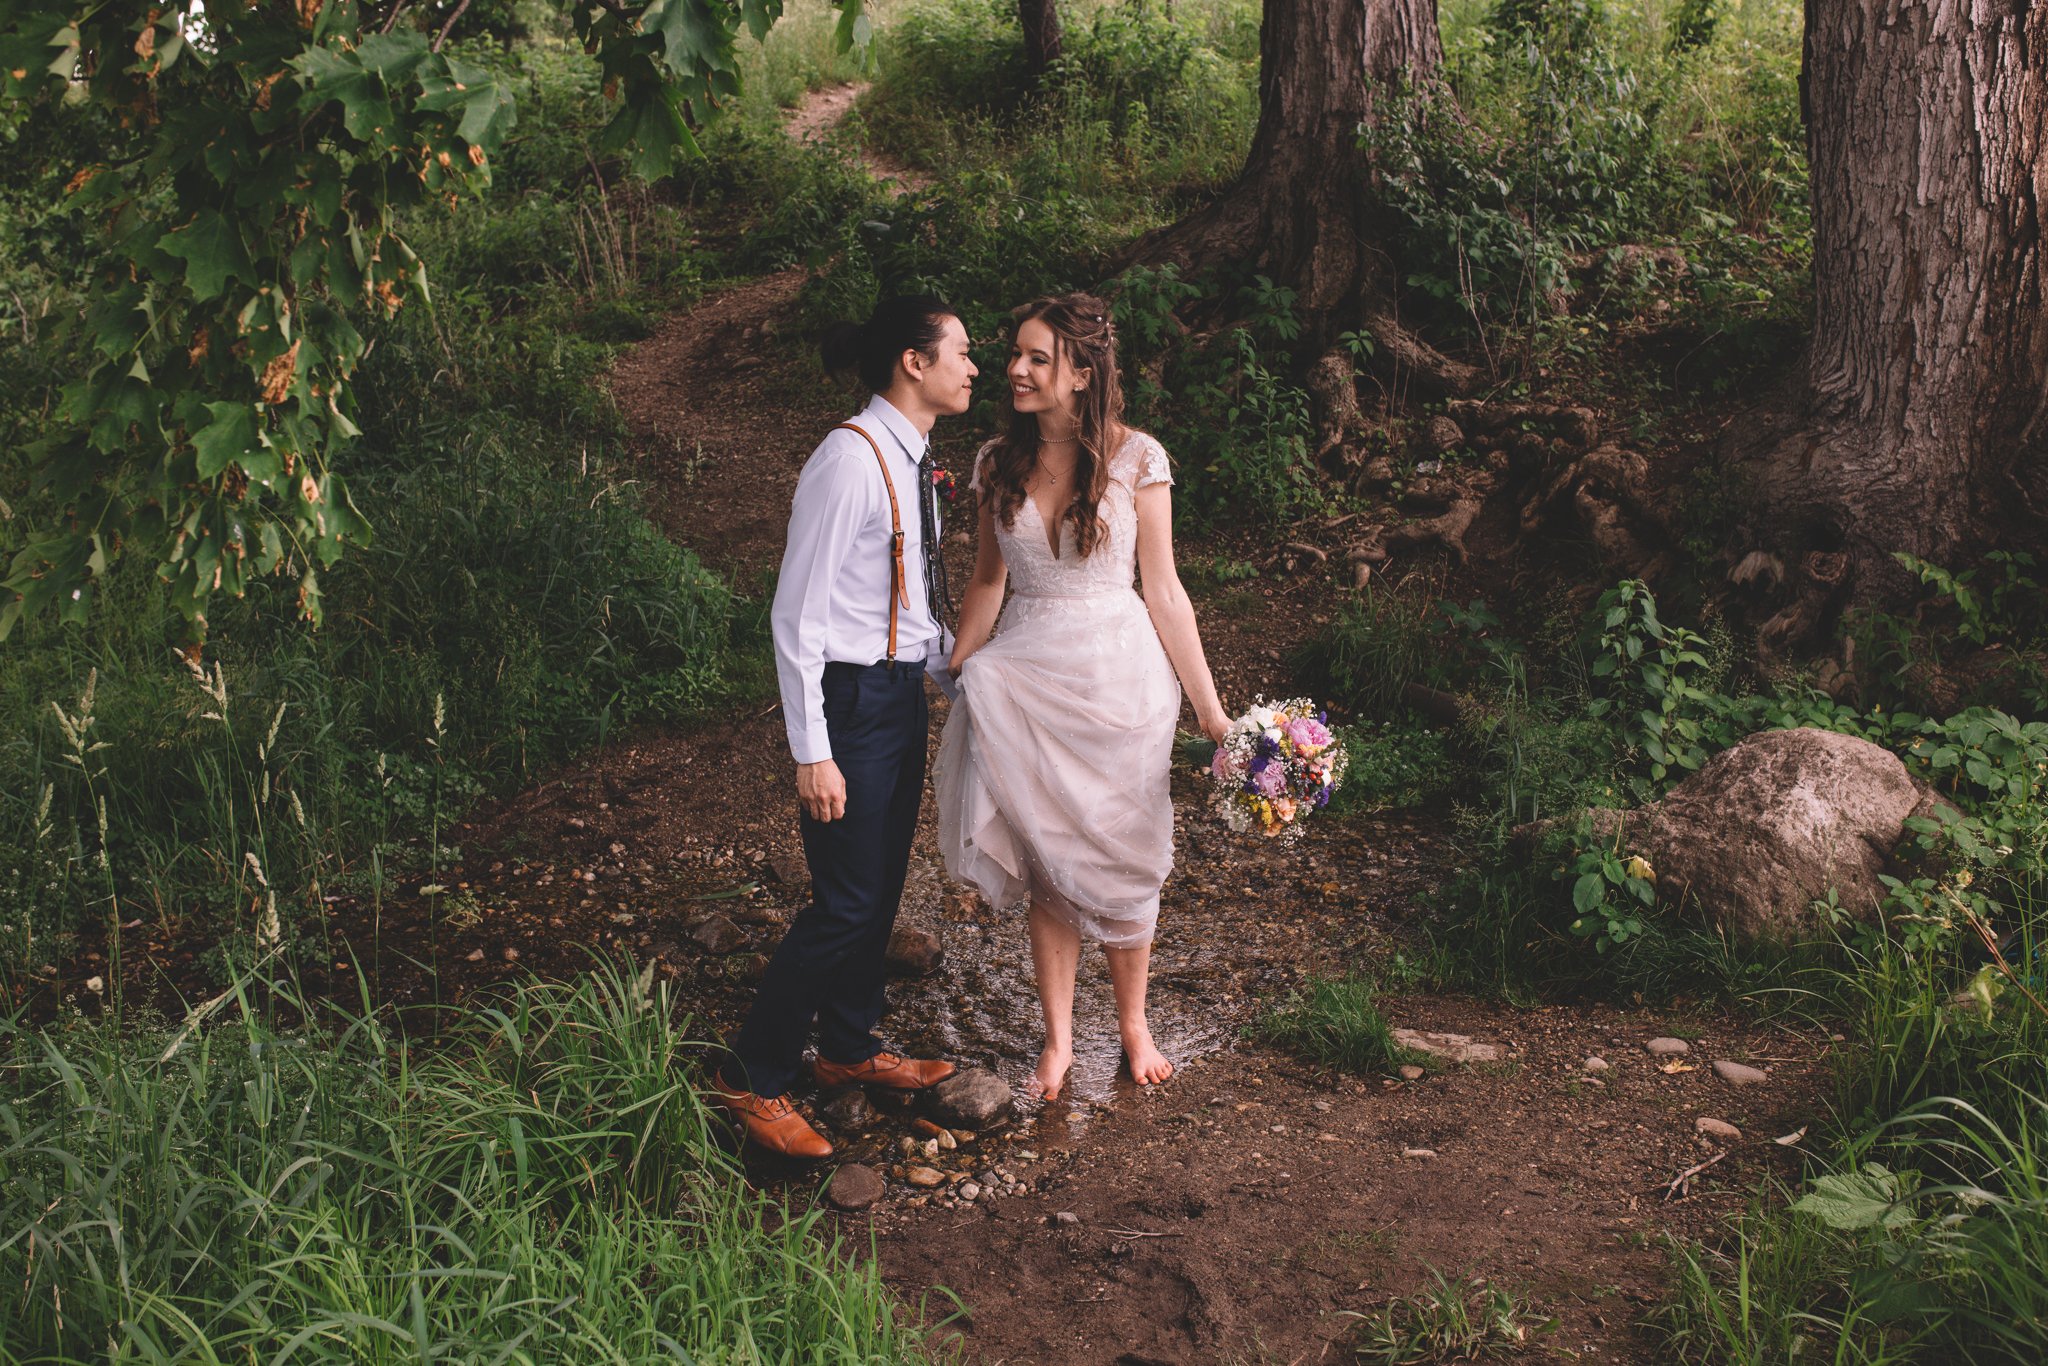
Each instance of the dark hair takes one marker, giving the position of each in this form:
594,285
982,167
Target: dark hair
1085,336
908,322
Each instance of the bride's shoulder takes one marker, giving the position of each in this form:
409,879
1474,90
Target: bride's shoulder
1141,460
984,463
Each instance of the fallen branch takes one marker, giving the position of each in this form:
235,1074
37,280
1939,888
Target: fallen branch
1676,1190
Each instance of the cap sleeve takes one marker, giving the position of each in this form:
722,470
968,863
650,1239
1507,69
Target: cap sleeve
984,461
1152,462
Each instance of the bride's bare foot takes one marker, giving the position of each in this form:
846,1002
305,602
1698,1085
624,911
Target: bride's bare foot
1148,1065
1045,1081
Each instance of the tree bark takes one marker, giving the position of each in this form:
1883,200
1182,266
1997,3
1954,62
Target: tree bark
1303,211
1922,419
1041,22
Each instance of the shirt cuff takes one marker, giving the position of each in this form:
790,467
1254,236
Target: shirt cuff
810,749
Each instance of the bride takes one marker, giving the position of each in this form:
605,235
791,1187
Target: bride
1052,773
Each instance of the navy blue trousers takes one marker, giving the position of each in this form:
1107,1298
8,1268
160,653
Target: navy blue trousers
830,965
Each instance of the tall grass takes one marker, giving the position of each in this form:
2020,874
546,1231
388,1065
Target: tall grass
544,1185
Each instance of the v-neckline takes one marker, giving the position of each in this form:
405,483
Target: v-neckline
1057,529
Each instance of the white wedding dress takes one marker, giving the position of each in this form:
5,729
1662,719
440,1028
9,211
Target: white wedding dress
1052,772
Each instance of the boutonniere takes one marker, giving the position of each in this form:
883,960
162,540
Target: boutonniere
945,485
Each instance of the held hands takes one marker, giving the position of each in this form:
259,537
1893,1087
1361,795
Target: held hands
821,789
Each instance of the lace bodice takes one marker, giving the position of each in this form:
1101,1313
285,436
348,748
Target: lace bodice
1027,549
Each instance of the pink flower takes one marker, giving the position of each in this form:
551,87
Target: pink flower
1271,780
1221,767
1309,735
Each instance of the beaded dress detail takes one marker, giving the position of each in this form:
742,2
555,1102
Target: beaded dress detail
1052,772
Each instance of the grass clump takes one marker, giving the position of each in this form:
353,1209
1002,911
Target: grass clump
1335,1023
1462,1319
543,1185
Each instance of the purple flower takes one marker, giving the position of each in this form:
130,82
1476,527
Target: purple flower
1271,780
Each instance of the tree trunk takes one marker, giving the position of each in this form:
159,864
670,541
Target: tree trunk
1920,425
1041,23
1303,211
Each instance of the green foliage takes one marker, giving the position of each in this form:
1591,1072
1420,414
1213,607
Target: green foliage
1584,135
545,1185
1611,893
1394,764
2010,609
517,605
249,199
1144,102
1657,700
1334,1022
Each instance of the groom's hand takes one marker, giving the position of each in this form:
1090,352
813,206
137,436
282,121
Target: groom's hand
822,790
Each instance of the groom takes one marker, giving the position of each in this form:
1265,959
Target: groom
856,617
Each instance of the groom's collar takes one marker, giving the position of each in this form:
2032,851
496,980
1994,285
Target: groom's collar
880,410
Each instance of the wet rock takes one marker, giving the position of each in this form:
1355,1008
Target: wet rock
973,1099
1596,1063
926,1177
1453,1048
914,951
1771,826
1740,1074
1716,1128
849,1111
716,934
1667,1048
854,1187
1410,1072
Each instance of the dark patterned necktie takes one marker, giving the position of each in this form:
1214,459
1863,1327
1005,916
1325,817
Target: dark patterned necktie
936,593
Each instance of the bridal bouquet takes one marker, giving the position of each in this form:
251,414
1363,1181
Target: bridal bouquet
1277,763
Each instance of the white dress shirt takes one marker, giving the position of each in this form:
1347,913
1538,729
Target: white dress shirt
832,600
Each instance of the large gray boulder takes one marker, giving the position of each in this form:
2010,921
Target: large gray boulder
1767,827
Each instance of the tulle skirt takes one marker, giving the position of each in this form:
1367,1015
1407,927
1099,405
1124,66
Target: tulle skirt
1053,768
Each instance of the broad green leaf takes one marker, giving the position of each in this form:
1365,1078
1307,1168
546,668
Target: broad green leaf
213,253
226,439
1588,892
1856,1200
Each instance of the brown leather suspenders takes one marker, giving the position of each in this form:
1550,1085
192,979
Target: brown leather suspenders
898,587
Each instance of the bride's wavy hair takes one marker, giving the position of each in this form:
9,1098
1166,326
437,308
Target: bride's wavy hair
1085,336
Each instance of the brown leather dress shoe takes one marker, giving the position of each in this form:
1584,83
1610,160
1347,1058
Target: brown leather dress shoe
772,1123
884,1069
